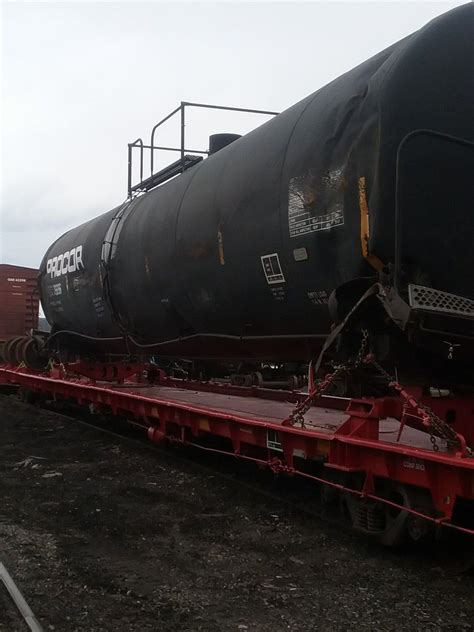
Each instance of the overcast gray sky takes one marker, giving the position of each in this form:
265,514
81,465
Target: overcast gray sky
81,80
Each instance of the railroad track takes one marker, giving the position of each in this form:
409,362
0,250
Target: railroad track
297,495
17,609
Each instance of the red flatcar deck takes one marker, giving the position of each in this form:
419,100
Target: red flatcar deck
355,444
317,420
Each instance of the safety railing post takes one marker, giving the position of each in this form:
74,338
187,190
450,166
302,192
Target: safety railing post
183,128
129,188
182,148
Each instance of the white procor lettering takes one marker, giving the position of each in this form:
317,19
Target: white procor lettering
59,264
65,262
69,261
79,263
72,260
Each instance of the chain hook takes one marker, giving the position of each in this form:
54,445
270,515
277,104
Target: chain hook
317,390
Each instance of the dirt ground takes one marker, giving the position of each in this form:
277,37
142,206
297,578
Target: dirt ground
102,534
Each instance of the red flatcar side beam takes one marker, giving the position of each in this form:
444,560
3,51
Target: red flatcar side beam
356,441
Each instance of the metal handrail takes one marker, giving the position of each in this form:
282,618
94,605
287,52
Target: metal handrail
136,143
182,150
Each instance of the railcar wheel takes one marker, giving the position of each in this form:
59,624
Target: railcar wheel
6,351
257,378
391,525
420,529
330,496
32,354
404,527
9,350
19,352
292,383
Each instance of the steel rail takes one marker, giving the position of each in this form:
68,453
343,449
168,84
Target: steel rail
19,601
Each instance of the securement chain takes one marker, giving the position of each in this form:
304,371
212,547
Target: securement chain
319,389
436,426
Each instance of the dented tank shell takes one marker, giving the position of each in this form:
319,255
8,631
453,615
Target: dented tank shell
246,246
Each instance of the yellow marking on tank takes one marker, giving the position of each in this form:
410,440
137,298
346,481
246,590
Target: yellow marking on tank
365,227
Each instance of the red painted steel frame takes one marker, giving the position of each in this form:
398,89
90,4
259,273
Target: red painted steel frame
354,447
